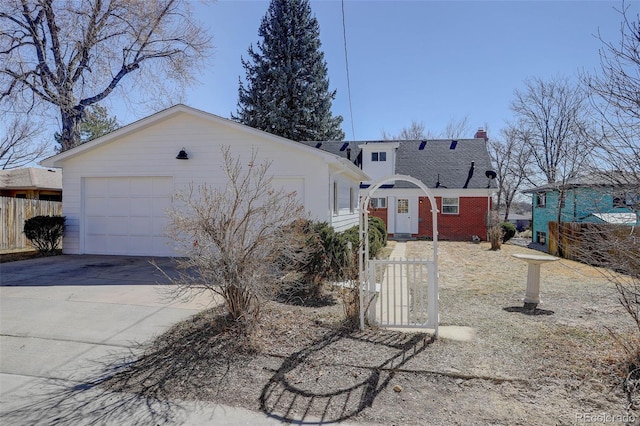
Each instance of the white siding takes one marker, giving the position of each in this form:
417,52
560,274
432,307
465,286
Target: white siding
151,152
291,184
379,169
346,217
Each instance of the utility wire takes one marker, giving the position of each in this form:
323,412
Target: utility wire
346,61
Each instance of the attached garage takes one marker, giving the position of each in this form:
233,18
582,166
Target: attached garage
126,215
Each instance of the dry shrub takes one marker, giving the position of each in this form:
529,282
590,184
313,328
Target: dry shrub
495,237
616,250
242,241
624,368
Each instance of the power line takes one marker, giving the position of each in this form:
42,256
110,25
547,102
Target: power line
346,61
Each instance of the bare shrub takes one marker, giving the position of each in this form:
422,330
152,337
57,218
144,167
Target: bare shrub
617,250
242,242
495,237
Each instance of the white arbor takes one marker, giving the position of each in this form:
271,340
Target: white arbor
392,292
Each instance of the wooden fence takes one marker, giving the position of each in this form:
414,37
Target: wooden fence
13,213
587,242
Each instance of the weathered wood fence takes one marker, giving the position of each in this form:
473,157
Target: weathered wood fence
13,213
593,243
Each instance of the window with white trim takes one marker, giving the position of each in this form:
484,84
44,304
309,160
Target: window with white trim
541,199
379,156
335,198
378,203
450,205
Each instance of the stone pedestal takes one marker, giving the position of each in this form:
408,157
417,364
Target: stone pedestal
532,293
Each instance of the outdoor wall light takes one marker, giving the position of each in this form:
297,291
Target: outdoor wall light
182,155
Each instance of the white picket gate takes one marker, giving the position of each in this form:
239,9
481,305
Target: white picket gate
398,293
402,293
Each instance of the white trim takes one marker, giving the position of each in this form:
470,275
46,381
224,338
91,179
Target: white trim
336,200
437,192
379,146
59,159
456,205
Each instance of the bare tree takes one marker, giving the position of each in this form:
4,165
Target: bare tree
18,146
414,132
242,241
456,128
551,118
512,160
615,95
417,131
96,122
72,54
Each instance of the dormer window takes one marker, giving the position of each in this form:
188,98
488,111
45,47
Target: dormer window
378,156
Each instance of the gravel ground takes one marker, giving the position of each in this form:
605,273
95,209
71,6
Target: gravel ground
555,367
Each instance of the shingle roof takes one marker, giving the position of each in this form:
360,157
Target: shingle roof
31,178
442,163
601,178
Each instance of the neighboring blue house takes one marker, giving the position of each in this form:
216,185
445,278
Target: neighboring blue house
603,197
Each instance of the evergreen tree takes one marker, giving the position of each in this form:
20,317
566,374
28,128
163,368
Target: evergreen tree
287,90
96,123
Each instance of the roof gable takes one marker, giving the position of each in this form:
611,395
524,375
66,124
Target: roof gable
59,159
439,163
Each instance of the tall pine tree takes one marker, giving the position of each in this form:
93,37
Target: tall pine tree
287,91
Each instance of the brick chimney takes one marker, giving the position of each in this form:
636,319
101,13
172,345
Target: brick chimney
481,134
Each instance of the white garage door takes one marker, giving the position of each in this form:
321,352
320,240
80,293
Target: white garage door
126,215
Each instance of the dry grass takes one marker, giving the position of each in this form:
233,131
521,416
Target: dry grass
304,364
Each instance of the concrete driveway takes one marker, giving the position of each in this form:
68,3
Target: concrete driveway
66,322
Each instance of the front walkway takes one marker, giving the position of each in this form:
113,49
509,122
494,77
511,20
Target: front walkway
398,307
392,305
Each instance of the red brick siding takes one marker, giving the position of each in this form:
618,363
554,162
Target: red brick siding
468,222
455,227
381,213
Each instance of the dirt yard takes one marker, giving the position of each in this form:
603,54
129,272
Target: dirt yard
556,367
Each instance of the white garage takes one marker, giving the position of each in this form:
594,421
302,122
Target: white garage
125,215
117,188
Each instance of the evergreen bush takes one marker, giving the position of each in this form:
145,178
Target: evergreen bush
379,225
508,231
45,233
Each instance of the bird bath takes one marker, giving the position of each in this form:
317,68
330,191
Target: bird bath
532,295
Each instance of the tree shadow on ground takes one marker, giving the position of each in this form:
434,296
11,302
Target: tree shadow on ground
316,301
335,377
302,390
66,402
137,387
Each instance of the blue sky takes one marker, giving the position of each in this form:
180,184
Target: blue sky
429,61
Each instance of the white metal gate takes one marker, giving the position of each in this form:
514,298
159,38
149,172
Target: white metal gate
398,293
